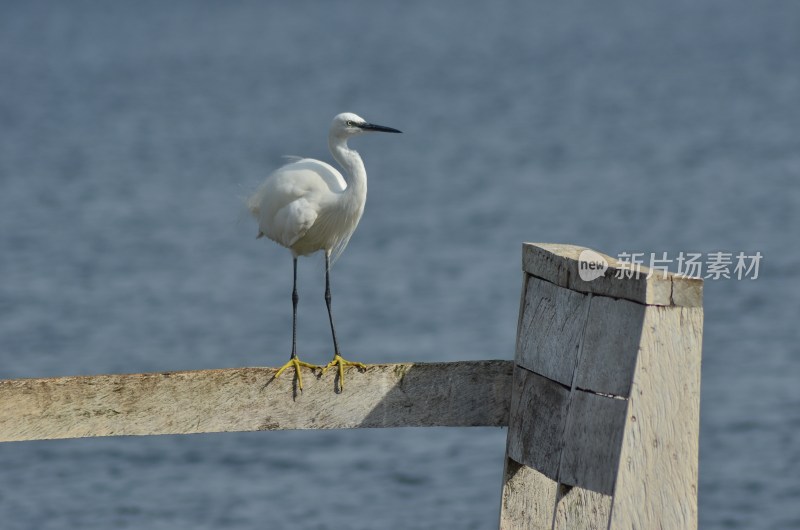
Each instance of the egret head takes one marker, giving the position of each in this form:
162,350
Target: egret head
348,124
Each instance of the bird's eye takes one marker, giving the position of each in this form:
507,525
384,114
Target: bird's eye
350,123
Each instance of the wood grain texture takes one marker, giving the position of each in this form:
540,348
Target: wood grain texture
558,264
552,323
250,399
578,508
592,441
657,481
537,422
610,346
528,498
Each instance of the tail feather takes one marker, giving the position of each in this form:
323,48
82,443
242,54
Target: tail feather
253,205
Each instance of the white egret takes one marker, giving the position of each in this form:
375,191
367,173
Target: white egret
307,206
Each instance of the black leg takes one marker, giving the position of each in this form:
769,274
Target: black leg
295,299
328,300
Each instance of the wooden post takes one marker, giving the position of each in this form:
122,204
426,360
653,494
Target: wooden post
604,419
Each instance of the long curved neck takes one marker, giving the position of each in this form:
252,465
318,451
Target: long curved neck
355,173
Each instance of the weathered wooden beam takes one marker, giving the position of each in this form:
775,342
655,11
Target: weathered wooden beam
559,264
250,399
604,421
657,481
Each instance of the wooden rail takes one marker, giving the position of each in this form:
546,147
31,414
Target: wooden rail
250,399
601,400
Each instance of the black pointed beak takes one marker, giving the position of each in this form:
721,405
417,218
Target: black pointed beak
377,128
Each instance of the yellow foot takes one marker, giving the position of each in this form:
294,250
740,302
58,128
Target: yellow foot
297,364
341,363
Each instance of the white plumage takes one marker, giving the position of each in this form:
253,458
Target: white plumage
307,205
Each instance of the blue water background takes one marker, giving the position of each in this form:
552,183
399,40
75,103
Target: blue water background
129,132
